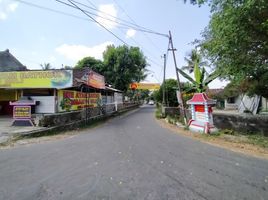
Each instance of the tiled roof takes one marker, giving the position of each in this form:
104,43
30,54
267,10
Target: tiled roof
200,98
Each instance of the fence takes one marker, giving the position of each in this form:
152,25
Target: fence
86,115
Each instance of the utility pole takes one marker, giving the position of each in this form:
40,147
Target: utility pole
178,78
164,80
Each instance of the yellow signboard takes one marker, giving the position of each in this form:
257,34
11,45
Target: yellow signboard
37,79
145,86
22,112
72,100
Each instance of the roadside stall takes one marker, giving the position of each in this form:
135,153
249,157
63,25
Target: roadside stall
56,91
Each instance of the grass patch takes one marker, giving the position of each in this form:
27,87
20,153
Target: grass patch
158,113
258,140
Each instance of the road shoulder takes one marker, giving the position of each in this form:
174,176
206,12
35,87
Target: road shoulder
226,142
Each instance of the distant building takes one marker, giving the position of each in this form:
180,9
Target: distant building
9,63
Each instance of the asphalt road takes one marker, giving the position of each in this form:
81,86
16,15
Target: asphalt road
130,157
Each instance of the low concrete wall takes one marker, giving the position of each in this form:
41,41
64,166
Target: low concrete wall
61,119
243,123
170,111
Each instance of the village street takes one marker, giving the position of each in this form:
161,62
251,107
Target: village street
130,157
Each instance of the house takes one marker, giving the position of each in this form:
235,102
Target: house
9,63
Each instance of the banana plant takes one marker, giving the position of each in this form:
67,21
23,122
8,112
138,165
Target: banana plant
200,83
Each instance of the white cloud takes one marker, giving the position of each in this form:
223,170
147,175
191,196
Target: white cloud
77,52
6,8
107,11
3,16
12,7
130,33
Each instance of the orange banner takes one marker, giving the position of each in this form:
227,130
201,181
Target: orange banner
96,80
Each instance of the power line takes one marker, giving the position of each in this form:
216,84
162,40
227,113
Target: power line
132,24
77,7
135,27
121,8
85,19
51,10
148,38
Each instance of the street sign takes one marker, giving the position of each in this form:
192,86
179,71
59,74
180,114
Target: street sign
133,86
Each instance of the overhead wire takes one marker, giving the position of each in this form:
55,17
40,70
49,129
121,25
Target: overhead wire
91,19
148,38
85,12
123,25
132,24
97,22
123,10
51,10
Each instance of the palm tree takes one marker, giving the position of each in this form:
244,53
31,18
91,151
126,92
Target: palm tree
201,82
46,66
193,58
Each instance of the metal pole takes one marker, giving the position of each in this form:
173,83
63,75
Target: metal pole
164,80
178,78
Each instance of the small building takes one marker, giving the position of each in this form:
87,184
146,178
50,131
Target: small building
57,91
201,111
9,63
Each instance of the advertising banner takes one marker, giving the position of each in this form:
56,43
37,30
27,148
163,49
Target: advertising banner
96,80
73,100
37,79
22,112
145,86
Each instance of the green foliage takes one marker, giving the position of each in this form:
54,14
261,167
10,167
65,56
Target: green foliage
158,113
192,59
46,66
124,65
121,66
200,84
236,41
137,94
170,91
171,86
199,2
94,64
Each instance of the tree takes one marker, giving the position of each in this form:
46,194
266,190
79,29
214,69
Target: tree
236,41
94,64
124,65
199,2
171,86
66,67
121,66
193,57
170,91
46,66
200,83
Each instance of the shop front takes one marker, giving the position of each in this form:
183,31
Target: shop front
55,91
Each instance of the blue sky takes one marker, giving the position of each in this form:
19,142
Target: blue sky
36,36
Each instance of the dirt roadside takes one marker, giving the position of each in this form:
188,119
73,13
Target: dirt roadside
234,143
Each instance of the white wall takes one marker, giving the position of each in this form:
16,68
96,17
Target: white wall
118,97
46,105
